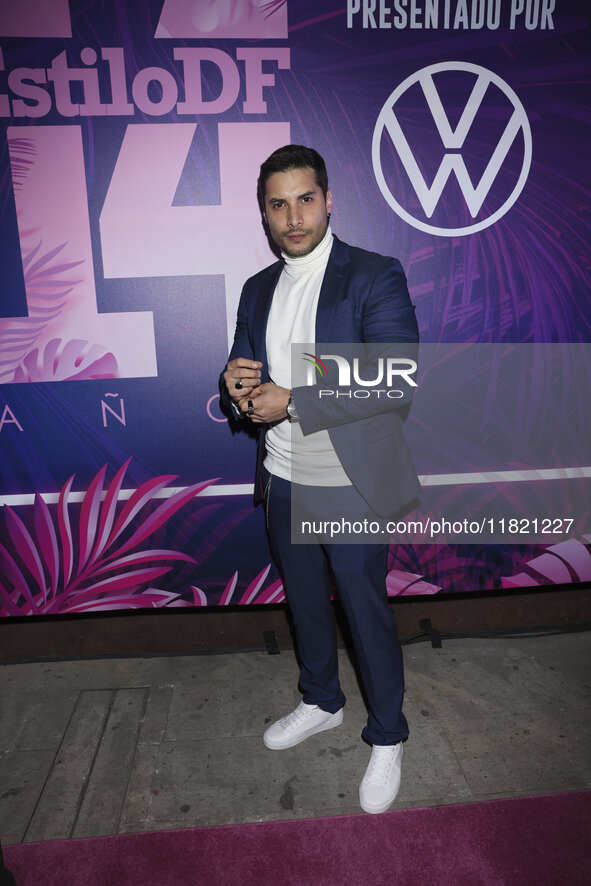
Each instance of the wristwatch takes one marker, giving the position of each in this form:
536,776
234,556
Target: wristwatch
292,413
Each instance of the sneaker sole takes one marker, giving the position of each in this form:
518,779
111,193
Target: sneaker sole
336,720
375,810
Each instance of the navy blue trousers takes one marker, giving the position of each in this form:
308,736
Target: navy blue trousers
360,573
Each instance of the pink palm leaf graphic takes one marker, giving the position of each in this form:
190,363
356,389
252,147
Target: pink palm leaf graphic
23,152
54,569
272,6
253,594
71,361
50,281
49,285
562,563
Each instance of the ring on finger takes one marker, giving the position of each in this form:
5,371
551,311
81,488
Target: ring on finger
239,384
250,407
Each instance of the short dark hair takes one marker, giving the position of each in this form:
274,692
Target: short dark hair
291,157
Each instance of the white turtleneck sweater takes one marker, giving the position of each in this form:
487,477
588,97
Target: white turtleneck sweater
310,460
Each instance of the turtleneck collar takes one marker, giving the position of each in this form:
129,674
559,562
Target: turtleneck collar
295,265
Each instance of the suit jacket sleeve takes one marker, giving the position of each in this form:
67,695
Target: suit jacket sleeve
388,317
241,347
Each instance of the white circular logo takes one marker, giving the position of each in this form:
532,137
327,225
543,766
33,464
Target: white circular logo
388,127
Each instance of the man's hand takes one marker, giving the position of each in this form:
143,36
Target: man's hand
248,375
269,403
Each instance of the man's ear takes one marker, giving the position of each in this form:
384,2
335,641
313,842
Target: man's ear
328,201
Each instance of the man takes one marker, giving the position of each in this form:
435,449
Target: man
323,290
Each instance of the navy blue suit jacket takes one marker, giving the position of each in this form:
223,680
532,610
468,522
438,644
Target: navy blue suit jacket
363,298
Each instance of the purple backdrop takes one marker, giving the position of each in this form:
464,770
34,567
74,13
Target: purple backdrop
456,138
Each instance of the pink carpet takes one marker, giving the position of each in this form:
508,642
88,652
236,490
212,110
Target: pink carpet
515,842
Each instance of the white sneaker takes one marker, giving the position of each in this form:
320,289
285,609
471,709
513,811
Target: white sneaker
381,782
299,725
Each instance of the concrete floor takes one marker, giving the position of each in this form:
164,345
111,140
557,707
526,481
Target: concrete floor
107,746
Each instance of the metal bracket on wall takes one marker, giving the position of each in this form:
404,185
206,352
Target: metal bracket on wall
434,635
271,643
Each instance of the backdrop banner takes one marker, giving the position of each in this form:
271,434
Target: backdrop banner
456,136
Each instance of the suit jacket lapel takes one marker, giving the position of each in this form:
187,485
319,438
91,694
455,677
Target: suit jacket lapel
331,293
262,307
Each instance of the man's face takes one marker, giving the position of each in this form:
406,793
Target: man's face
296,211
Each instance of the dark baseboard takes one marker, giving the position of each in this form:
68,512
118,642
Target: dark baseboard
233,628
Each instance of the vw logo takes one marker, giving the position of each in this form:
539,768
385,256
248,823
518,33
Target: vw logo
388,134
